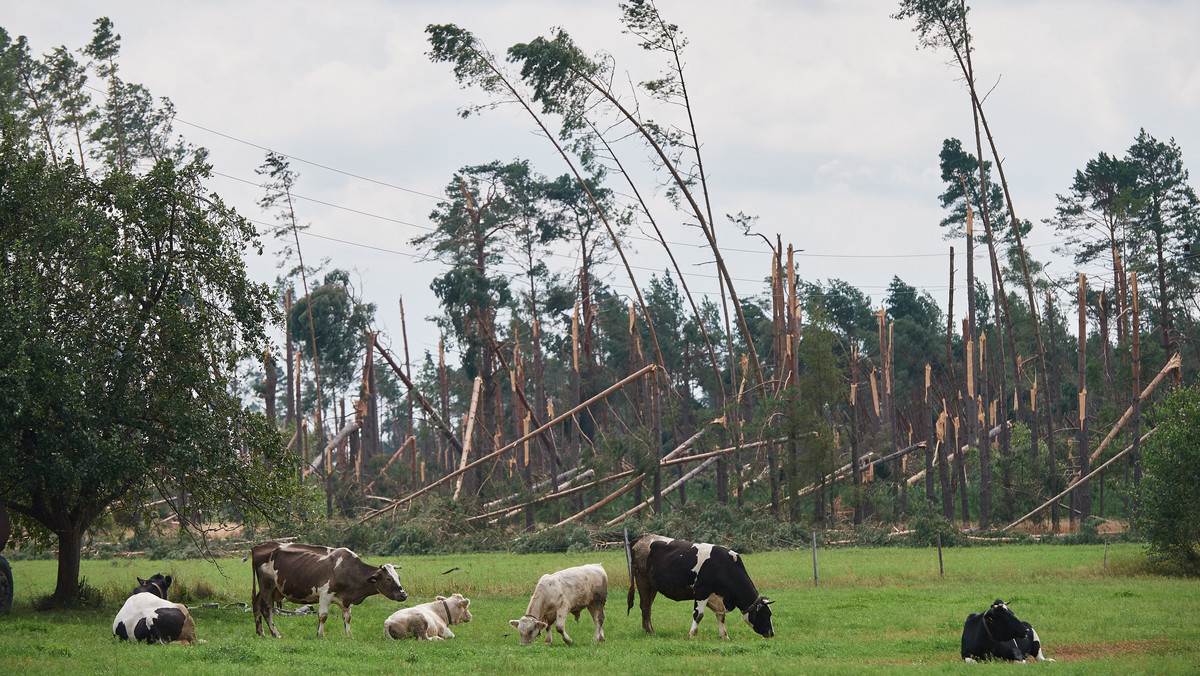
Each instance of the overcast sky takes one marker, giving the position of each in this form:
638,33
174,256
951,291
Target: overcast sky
819,117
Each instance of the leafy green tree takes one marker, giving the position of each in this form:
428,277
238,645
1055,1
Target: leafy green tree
1168,218
339,322
125,306
1169,512
959,167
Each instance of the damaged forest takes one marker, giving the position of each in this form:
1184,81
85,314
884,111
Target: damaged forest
563,403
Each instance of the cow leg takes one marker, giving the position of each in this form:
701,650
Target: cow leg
597,612
718,606
270,613
697,615
646,594
322,614
346,619
560,624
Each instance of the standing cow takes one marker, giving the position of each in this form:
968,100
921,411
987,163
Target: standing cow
998,633
148,616
705,574
315,574
557,595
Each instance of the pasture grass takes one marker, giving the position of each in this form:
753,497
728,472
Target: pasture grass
876,611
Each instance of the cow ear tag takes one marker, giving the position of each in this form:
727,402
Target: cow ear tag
373,579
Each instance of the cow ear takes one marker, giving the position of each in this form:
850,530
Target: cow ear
439,598
542,625
142,582
515,624
766,601
167,581
373,579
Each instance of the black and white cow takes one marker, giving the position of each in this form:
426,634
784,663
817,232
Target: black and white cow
315,574
148,616
705,574
998,633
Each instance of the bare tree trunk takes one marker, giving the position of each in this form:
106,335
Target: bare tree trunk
1136,421
951,389
270,382
854,438
1084,492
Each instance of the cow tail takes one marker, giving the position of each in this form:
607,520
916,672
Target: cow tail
632,576
253,586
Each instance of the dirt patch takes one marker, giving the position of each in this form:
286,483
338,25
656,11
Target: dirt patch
1073,652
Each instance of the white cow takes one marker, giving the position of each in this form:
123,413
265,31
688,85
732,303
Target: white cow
557,594
429,621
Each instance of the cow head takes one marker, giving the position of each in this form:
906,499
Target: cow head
158,584
529,628
758,616
387,582
456,608
1001,624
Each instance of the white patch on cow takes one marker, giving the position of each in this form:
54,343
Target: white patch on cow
703,552
391,571
969,660
268,572
1040,656
733,554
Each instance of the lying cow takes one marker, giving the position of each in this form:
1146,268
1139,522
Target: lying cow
557,594
998,633
428,621
705,574
148,616
315,574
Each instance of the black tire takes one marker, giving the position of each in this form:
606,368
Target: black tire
6,587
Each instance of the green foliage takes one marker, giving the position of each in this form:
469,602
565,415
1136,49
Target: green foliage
1169,513
569,538
125,307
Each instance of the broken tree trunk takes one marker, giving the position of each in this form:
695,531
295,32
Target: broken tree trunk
1054,500
468,435
1172,364
339,438
666,491
649,368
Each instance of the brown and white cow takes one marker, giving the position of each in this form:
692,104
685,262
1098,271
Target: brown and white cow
705,574
429,621
557,594
316,574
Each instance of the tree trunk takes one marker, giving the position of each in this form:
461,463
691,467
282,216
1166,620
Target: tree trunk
1136,421
1084,492
951,388
70,545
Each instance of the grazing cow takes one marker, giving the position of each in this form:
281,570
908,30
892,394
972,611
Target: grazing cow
148,616
315,574
998,633
705,574
557,594
428,621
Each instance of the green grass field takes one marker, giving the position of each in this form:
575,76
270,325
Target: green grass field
875,611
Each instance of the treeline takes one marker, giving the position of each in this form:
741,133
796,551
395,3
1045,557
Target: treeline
983,412
804,399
